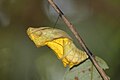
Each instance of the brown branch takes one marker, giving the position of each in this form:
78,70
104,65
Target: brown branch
81,42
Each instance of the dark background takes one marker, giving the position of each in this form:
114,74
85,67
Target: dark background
98,22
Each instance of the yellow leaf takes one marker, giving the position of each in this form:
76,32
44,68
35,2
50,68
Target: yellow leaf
60,42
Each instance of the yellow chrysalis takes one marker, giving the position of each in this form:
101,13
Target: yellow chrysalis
60,42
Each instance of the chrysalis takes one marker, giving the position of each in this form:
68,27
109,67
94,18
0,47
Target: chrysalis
60,42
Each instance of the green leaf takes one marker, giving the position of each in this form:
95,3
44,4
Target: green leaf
86,71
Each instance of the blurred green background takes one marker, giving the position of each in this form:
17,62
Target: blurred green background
98,22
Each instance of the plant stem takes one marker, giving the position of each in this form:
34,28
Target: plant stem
81,42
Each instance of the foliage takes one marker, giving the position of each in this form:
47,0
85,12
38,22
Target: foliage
86,71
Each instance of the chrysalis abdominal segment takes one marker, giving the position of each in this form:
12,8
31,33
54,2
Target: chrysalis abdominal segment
70,55
60,42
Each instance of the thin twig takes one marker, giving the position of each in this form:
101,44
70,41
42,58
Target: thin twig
81,42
